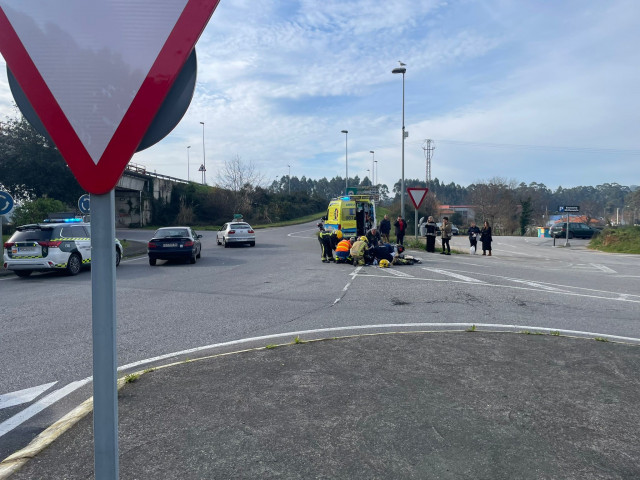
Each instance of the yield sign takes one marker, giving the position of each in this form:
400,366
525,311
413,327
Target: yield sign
96,73
417,195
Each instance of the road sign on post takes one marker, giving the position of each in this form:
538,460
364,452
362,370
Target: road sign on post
417,196
6,205
96,84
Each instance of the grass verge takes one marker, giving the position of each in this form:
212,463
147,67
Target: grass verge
617,240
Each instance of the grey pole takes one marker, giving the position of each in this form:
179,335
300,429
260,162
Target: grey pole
204,158
104,325
566,243
188,164
373,162
402,70
346,161
289,179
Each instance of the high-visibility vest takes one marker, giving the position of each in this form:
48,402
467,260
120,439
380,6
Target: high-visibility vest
343,246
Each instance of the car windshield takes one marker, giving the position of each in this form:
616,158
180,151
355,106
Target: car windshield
172,233
239,226
31,235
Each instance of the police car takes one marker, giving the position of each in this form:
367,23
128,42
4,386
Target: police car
63,245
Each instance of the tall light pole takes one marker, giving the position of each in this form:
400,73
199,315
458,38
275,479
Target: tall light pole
376,172
346,161
402,70
188,179
204,158
373,162
289,179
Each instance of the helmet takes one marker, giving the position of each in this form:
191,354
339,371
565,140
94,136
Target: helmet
400,249
384,263
364,239
339,235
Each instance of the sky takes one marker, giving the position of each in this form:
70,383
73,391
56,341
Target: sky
542,91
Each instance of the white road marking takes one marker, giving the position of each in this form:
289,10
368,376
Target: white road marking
40,405
454,275
297,234
604,268
534,284
397,273
346,287
23,396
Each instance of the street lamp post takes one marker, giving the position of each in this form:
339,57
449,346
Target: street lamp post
289,179
402,70
203,170
204,158
375,175
188,179
346,161
373,162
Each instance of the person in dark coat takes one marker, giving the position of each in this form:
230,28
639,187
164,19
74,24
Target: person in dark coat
385,229
486,239
474,234
431,229
401,229
373,237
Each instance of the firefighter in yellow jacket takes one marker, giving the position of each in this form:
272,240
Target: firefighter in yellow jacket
358,251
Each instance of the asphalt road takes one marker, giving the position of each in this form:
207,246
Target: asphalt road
281,286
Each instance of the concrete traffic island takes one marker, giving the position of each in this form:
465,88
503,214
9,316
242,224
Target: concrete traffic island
446,405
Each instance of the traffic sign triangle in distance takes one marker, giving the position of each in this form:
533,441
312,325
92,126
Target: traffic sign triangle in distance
417,195
96,73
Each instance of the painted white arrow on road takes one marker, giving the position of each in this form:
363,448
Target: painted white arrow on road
23,396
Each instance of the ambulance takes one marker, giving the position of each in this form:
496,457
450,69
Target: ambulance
354,215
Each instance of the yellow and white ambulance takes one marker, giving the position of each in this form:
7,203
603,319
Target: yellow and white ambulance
354,215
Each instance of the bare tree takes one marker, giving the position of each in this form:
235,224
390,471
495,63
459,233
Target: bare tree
241,178
236,175
496,202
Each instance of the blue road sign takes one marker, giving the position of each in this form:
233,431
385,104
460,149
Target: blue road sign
568,209
84,204
6,203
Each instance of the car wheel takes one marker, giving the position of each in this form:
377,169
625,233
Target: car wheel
192,259
152,261
252,244
118,257
570,235
218,241
199,253
74,265
22,273
224,242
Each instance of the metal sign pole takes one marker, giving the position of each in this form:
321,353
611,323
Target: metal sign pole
103,309
566,243
416,223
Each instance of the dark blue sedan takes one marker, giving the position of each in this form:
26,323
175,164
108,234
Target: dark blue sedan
174,243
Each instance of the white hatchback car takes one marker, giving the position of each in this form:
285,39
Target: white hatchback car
236,232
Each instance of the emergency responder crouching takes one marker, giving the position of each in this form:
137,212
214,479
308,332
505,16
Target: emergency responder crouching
358,251
343,250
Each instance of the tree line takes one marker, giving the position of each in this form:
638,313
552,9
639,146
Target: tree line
31,168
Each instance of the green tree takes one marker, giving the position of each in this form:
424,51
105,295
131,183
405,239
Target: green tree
37,210
31,167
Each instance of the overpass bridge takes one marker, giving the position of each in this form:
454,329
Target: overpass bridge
134,193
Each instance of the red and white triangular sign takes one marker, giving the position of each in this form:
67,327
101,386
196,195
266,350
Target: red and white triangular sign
96,72
417,195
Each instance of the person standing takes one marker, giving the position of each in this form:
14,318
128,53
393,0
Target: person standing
385,229
401,228
486,239
445,236
474,233
431,229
